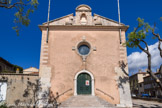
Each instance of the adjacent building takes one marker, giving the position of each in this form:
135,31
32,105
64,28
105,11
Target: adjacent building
143,83
31,70
6,66
137,83
151,87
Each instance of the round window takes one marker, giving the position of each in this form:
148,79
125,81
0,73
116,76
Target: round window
83,49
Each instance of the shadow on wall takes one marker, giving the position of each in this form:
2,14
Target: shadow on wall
31,95
32,98
123,80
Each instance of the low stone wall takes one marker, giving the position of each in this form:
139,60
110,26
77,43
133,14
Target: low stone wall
17,87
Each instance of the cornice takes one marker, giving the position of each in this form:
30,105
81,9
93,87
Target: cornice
83,27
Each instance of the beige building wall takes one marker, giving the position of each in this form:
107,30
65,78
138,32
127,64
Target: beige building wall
30,70
141,77
66,63
16,86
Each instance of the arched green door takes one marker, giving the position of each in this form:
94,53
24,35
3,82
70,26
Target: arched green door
84,84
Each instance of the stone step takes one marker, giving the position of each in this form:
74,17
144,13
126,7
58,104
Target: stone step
85,101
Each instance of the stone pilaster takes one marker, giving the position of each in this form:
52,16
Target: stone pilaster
45,85
44,71
124,88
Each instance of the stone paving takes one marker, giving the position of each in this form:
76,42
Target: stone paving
137,103
96,102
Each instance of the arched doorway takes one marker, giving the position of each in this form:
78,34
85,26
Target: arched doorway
84,83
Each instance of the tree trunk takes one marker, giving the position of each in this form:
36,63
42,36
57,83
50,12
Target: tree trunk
157,80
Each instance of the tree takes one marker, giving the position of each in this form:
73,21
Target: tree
3,105
23,9
160,18
137,37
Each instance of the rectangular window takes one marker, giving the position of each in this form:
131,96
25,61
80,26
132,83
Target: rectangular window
140,85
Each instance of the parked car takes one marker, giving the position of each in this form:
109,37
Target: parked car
145,95
133,95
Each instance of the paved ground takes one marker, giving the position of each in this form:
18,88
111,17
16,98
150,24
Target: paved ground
137,103
96,102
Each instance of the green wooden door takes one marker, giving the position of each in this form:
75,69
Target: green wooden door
84,84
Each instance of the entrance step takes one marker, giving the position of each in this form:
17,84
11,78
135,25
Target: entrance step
85,101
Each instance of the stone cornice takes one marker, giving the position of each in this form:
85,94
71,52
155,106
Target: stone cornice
85,28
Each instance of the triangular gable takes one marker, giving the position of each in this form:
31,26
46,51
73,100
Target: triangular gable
60,21
93,20
106,21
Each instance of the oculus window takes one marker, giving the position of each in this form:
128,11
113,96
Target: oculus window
83,48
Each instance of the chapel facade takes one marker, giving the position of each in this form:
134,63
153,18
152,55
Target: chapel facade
80,55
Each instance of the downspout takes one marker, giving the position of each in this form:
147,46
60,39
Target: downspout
48,22
119,22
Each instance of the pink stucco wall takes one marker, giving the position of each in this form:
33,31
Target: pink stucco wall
66,63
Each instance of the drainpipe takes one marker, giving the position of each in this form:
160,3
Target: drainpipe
119,22
48,21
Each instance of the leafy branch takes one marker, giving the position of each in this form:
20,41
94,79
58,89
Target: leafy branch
137,37
24,9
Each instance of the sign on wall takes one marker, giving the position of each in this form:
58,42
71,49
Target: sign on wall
87,82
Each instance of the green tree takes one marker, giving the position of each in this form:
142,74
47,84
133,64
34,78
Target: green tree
3,105
137,37
23,9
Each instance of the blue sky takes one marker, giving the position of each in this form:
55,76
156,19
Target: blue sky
24,50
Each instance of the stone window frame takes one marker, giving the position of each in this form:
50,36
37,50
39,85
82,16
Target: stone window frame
84,42
92,82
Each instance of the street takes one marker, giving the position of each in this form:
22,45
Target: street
137,103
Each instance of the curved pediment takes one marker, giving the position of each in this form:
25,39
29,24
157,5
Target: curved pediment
83,8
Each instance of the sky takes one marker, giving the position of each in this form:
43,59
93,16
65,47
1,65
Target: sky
24,50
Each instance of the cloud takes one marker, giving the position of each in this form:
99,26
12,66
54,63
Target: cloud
138,60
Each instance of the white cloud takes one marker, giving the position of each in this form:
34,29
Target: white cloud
138,60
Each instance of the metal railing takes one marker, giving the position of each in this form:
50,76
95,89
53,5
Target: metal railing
65,92
104,93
